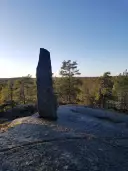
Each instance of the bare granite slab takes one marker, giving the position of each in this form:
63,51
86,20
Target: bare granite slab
76,141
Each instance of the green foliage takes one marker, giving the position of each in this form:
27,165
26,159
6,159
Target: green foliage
93,91
89,90
25,89
68,86
21,90
105,90
120,89
4,94
69,69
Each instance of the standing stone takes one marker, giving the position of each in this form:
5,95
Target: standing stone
47,103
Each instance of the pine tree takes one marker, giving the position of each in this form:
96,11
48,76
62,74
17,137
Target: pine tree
69,82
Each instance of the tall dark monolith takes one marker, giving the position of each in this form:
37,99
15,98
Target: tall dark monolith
47,104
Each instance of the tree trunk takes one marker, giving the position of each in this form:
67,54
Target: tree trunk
69,88
24,97
22,93
11,97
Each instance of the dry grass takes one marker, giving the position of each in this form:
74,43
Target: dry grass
4,126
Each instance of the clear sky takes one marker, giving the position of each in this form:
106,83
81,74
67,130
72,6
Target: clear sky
92,32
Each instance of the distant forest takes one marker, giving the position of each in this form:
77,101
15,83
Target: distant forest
106,91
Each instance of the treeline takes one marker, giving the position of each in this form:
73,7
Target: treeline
103,92
18,91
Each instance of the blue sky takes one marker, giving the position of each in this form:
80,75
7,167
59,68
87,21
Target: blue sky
92,32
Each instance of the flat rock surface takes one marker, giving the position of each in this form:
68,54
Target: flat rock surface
82,139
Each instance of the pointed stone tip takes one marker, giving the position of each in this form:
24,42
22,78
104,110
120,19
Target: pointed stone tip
43,50
48,118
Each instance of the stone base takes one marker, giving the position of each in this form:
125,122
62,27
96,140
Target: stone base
48,118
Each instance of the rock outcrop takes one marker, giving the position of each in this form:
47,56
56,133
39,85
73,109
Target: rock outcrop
75,142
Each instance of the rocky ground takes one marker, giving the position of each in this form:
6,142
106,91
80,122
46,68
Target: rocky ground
82,139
